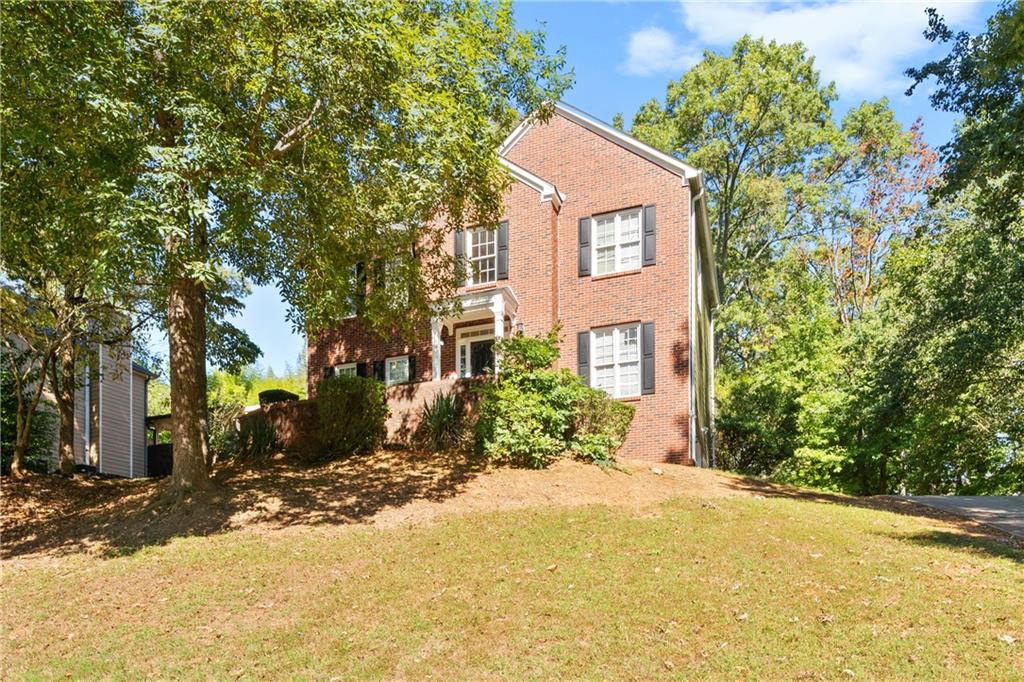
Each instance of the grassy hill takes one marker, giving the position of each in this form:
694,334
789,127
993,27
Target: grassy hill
465,573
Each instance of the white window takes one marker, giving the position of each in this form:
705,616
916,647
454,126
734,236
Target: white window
349,368
616,241
616,360
396,370
482,255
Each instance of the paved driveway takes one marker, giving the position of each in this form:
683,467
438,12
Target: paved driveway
1005,513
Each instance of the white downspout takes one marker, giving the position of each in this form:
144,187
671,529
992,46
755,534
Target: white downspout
131,414
690,331
99,422
435,349
87,400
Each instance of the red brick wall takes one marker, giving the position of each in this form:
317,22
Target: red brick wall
598,176
351,342
530,266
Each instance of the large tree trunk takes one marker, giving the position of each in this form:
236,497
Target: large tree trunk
64,392
18,469
186,320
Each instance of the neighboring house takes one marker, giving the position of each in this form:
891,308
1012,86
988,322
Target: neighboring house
110,414
604,234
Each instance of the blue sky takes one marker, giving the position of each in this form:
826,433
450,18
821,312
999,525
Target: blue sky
625,53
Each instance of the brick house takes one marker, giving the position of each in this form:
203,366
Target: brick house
606,235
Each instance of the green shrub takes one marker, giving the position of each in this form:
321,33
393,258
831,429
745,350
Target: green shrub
352,414
277,395
257,436
532,414
441,422
601,426
814,468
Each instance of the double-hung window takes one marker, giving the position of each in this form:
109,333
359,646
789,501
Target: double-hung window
396,370
347,369
482,256
616,360
616,242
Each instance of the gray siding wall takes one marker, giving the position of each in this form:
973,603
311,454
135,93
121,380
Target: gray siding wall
115,413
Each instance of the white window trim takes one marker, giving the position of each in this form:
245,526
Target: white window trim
616,332
463,339
617,215
387,370
470,261
338,369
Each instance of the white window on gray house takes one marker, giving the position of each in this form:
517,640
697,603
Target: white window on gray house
482,256
615,357
396,370
349,368
616,242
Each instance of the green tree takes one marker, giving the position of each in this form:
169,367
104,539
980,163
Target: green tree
982,78
289,142
950,417
753,121
70,150
15,398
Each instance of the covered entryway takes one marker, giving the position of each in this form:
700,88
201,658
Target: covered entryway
486,317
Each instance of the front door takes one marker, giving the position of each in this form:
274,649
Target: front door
481,356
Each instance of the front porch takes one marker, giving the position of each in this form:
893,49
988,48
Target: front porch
461,343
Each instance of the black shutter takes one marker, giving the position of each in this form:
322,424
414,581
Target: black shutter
503,249
361,369
583,355
378,370
647,358
584,247
328,372
650,254
412,368
360,287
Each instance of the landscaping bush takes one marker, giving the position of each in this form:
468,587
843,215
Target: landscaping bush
441,422
820,468
532,414
601,426
352,414
276,395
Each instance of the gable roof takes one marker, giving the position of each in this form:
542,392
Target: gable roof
571,113
548,192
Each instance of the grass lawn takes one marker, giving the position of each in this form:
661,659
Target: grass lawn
731,587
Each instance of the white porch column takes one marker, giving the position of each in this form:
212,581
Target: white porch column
498,308
435,348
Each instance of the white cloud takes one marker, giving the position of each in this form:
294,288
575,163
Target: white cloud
863,46
654,50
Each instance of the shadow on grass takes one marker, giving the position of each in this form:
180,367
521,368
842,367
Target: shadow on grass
53,515
978,545
973,535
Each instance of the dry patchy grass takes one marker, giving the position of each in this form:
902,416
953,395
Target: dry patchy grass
523,574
